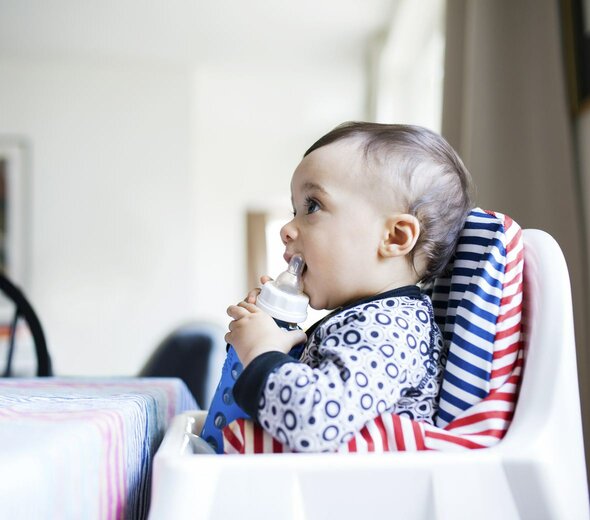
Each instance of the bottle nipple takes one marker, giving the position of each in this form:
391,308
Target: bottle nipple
283,298
290,280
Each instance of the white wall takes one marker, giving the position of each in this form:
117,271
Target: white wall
253,124
112,217
141,178
409,68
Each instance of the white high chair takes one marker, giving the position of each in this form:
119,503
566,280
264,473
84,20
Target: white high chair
537,471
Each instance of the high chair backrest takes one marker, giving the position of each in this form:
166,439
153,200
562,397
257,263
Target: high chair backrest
543,451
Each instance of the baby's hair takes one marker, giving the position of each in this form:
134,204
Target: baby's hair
431,177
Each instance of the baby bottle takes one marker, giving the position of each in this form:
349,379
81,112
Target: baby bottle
283,299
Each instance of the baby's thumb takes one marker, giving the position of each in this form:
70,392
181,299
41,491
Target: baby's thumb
296,336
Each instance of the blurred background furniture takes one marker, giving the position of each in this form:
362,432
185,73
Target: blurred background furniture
24,310
192,352
82,447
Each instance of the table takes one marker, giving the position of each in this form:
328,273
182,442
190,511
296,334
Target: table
83,448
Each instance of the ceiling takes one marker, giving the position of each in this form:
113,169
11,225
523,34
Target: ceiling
192,31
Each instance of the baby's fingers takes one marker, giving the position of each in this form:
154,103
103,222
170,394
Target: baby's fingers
249,307
236,312
252,295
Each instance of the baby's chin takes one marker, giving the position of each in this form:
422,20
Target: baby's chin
320,305
314,303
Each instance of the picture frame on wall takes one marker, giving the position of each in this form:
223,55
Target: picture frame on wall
576,36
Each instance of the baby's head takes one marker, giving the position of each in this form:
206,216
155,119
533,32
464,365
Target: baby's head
385,197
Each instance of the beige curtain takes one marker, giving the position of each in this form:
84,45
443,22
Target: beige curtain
506,112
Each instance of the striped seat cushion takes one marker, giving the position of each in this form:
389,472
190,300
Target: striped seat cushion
478,308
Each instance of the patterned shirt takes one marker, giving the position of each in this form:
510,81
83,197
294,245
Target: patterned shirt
380,354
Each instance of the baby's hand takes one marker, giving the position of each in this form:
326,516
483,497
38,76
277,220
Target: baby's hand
253,294
253,332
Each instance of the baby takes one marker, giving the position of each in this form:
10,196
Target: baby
377,209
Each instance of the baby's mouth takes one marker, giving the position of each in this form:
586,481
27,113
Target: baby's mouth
304,283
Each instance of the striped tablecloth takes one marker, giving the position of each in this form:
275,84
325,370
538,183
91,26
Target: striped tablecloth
82,448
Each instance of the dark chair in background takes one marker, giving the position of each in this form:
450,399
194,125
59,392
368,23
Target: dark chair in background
186,353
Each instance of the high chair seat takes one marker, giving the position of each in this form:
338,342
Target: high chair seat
537,471
478,307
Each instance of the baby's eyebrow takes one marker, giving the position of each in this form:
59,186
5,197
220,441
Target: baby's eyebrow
312,186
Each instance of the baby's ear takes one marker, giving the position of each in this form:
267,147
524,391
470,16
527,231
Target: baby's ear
400,235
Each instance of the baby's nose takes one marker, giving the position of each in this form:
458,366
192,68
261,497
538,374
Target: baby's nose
288,232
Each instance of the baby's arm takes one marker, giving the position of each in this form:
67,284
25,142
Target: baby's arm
317,409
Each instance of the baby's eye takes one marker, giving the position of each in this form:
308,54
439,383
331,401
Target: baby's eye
311,206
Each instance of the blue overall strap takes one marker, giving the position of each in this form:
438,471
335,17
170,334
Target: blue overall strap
223,409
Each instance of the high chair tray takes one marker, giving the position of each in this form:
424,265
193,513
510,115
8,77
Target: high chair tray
490,483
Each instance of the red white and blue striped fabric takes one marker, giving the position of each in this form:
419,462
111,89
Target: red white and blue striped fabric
479,310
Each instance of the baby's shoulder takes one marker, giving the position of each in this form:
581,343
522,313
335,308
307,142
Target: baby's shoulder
382,313
370,325
383,308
